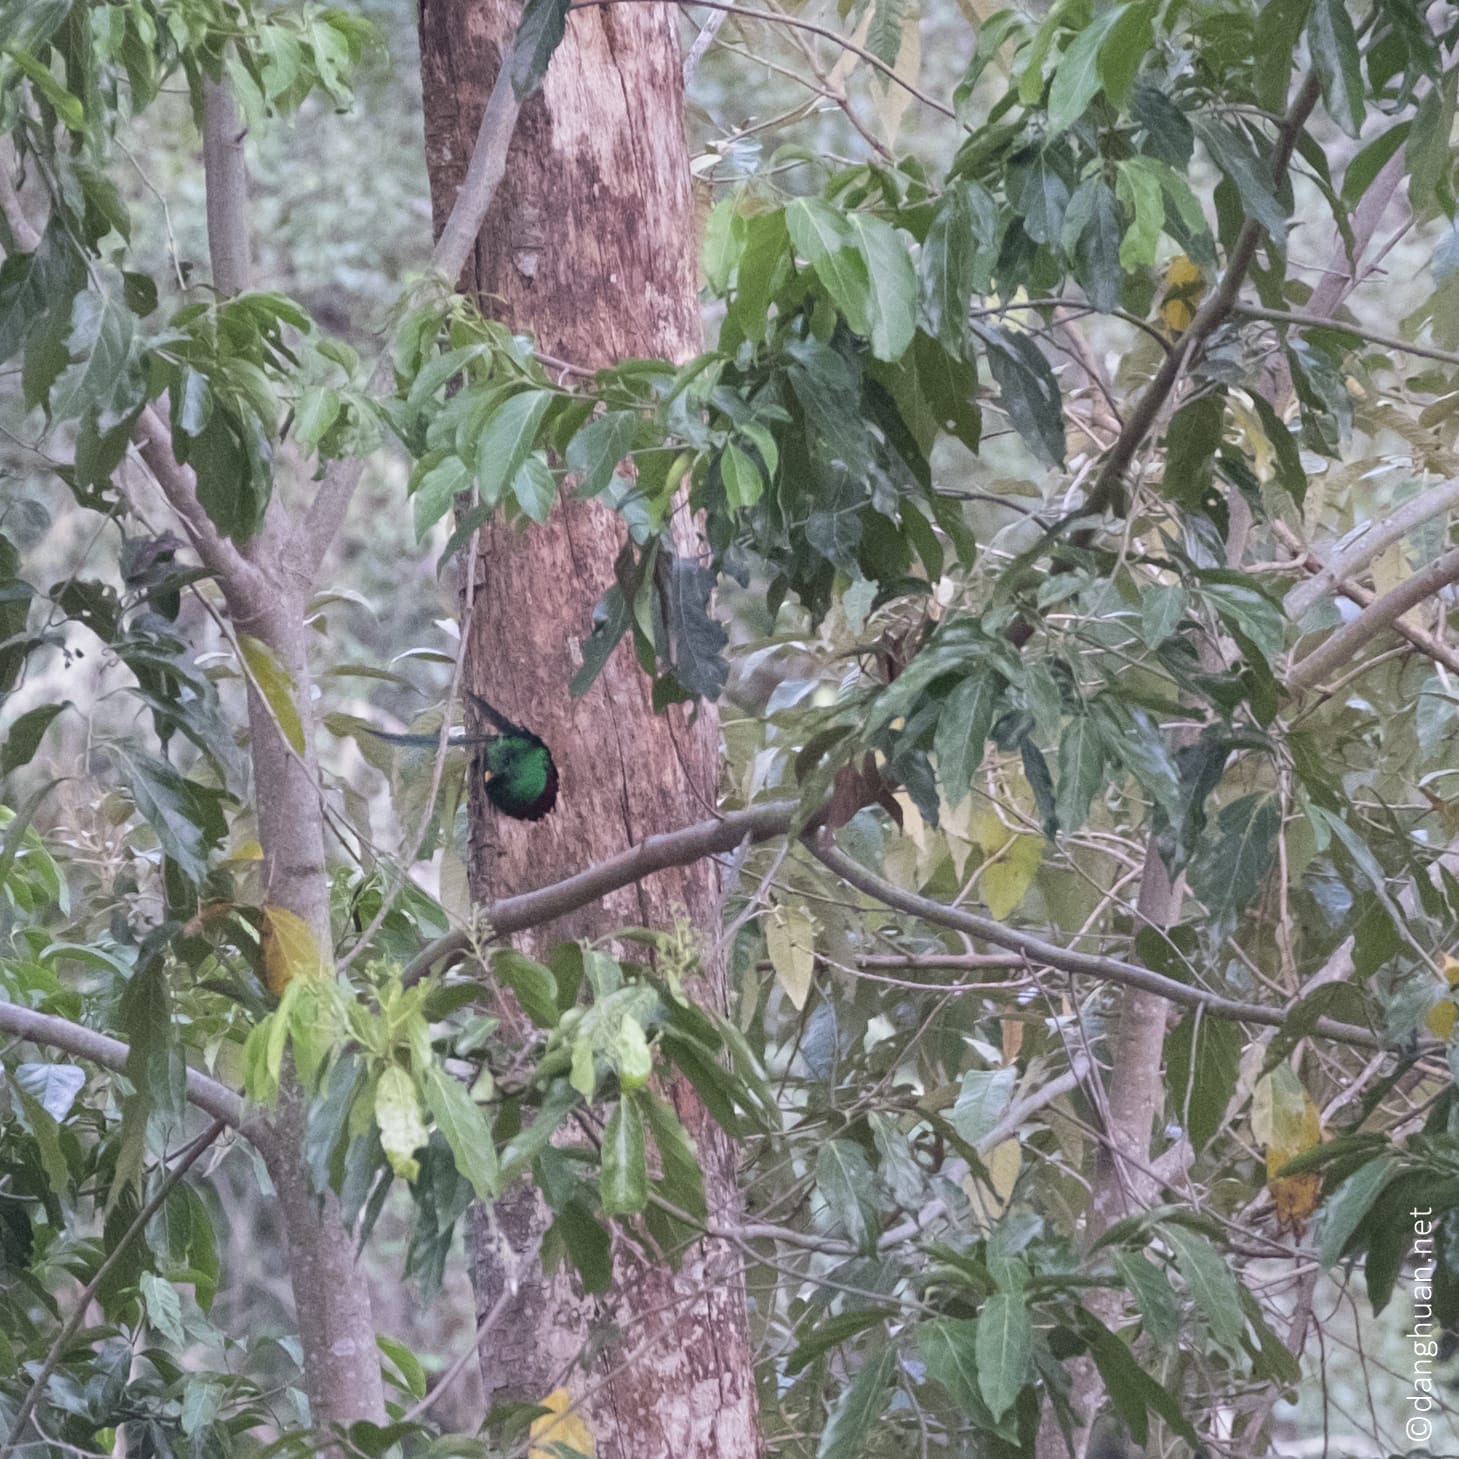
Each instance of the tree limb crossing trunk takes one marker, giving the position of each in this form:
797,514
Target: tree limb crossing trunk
590,246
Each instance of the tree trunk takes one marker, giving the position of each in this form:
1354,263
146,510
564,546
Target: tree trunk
590,247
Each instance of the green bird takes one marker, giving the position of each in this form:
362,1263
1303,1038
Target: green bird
515,766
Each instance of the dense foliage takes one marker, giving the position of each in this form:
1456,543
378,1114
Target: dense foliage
1011,471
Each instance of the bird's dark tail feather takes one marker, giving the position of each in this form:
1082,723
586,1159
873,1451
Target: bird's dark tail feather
494,717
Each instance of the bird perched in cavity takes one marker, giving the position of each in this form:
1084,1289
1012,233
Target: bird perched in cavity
516,768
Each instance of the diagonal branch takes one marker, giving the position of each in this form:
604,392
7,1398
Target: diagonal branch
1371,541
99,1048
1340,649
653,853
1036,950
1213,313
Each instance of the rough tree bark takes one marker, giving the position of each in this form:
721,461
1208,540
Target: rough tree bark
590,247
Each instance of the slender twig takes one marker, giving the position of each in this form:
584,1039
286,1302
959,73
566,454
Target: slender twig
794,22
1304,320
73,1323
1036,950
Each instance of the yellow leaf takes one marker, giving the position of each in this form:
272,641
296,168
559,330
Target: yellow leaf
560,1428
272,681
249,850
790,936
1287,1121
1451,970
289,949
1185,285
1440,1019
1006,882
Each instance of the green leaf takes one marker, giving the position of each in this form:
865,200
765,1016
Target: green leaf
1278,30
598,447
1245,607
821,1333
68,108
1211,1049
1077,80
53,1086
946,266
824,238
1133,1391
949,1348
1093,233
398,1118
1344,1209
1030,391
1190,450
1211,1282
743,483
273,682
1334,46
1370,160
1289,471
623,1183
962,734
463,1125
697,639
1081,770
23,737
1162,606
982,1101
532,982
609,626
884,36
1429,156
683,1175
844,1179
162,799
535,488
539,33
412,1374
859,1405
1124,49
893,303
508,439
100,344
1153,1294
1248,173
1004,1345
1231,868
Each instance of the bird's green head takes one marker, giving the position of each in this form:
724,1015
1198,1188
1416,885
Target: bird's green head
520,776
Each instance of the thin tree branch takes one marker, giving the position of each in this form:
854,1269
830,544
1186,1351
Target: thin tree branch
653,853
1374,539
1214,312
1036,950
25,236
78,1315
1306,319
795,23
99,1048
1338,650
702,43
462,227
